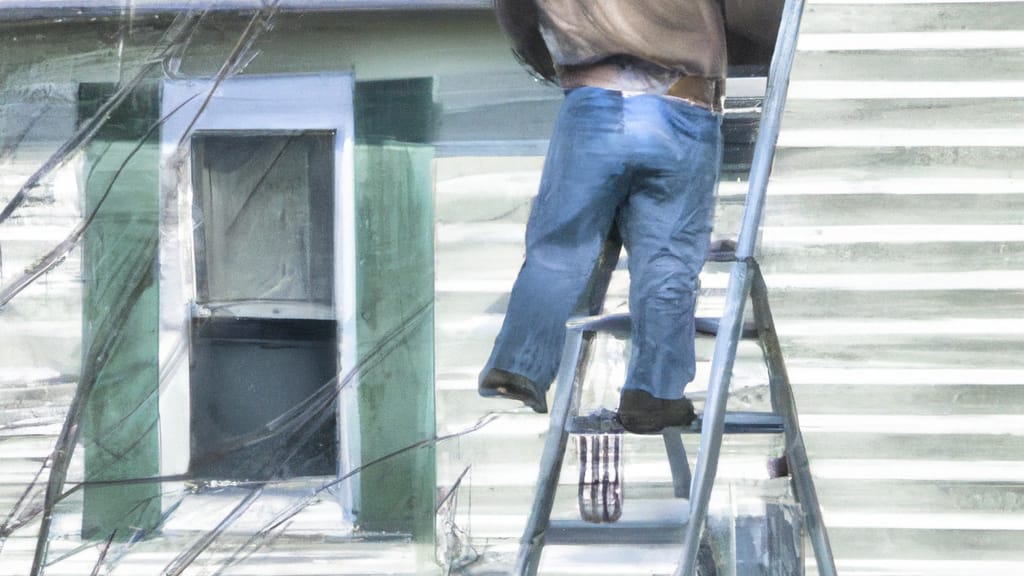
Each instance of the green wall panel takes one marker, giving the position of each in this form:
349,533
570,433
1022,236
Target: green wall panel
395,293
121,318
395,110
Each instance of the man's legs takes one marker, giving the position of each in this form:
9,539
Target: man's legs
666,225
582,185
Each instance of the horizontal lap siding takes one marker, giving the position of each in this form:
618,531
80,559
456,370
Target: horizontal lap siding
892,247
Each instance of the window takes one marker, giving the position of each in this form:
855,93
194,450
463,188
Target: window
256,227
264,346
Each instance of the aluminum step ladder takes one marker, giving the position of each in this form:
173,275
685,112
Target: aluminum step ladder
603,437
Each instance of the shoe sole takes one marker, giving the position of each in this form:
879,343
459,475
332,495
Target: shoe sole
527,397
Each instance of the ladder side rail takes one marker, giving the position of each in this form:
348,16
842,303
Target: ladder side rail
785,406
713,424
682,478
768,128
738,290
574,355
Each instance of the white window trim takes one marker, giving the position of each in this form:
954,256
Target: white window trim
250,103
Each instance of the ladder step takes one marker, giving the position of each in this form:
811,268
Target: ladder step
643,522
646,534
709,327
750,423
618,324
606,422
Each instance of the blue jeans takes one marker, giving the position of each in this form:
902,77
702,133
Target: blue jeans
649,164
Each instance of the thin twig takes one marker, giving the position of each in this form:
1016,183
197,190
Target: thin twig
259,183
8,149
137,282
231,65
103,555
183,560
182,27
8,528
301,505
179,29
58,253
70,431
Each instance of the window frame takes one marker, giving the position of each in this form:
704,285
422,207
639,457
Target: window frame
250,104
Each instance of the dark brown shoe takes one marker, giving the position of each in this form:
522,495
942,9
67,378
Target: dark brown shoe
642,413
513,386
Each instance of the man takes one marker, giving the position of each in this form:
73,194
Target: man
637,143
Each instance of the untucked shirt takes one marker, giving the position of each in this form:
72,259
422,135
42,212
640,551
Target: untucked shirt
681,37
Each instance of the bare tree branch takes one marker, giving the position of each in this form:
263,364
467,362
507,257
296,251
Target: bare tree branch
180,28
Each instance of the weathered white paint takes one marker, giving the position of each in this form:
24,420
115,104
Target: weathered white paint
892,89
944,40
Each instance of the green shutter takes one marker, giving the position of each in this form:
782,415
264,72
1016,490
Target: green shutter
121,316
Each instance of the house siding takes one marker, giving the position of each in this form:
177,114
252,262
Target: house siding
892,249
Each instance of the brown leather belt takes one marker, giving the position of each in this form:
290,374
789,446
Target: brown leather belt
704,92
